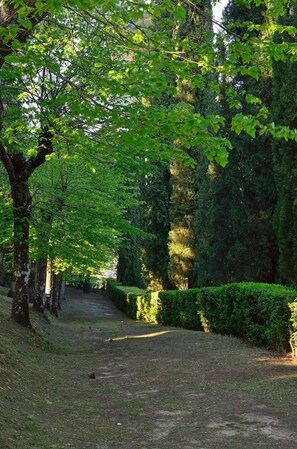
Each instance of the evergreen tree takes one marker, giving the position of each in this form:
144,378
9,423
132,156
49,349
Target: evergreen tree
284,109
184,186
129,262
155,194
235,240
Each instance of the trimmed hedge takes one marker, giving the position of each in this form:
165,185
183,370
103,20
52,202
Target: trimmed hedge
263,314
125,298
179,308
259,313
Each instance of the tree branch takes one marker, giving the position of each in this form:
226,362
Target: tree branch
45,148
9,17
4,157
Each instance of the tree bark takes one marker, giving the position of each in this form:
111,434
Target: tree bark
56,294
19,170
32,283
40,280
61,291
21,213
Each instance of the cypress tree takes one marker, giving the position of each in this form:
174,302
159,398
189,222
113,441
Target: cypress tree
284,108
236,241
155,190
182,236
129,264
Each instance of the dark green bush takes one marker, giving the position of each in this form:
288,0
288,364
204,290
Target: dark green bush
262,314
259,313
179,308
124,297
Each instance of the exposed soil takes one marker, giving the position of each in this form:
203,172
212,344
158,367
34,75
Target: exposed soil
107,382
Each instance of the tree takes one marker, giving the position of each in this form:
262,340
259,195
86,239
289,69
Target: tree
284,111
196,91
155,193
108,65
238,241
106,110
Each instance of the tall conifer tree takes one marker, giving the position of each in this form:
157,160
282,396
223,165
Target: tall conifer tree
182,236
284,109
237,241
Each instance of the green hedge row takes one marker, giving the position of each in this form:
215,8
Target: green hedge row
259,313
263,314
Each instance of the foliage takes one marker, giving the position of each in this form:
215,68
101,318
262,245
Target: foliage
78,212
179,308
184,185
155,193
125,297
284,112
86,83
235,205
129,263
258,313
262,314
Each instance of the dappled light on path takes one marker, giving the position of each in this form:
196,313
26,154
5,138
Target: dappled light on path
151,335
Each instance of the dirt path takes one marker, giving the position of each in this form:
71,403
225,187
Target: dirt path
120,384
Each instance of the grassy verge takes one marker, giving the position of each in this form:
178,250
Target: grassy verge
22,352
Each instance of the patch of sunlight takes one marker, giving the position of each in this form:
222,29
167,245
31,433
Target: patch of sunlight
285,377
287,360
153,334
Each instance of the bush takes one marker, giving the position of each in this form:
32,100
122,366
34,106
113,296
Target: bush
179,308
124,297
259,313
263,314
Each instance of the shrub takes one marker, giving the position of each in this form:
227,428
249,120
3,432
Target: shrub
124,297
179,308
263,314
259,313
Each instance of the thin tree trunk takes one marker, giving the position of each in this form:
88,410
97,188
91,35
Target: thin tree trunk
56,294
21,212
32,282
48,284
61,291
40,280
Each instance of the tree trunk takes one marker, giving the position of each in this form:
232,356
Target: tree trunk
61,292
19,170
21,212
2,269
40,280
31,285
56,294
48,285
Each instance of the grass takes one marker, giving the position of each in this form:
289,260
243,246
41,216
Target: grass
20,379
171,388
